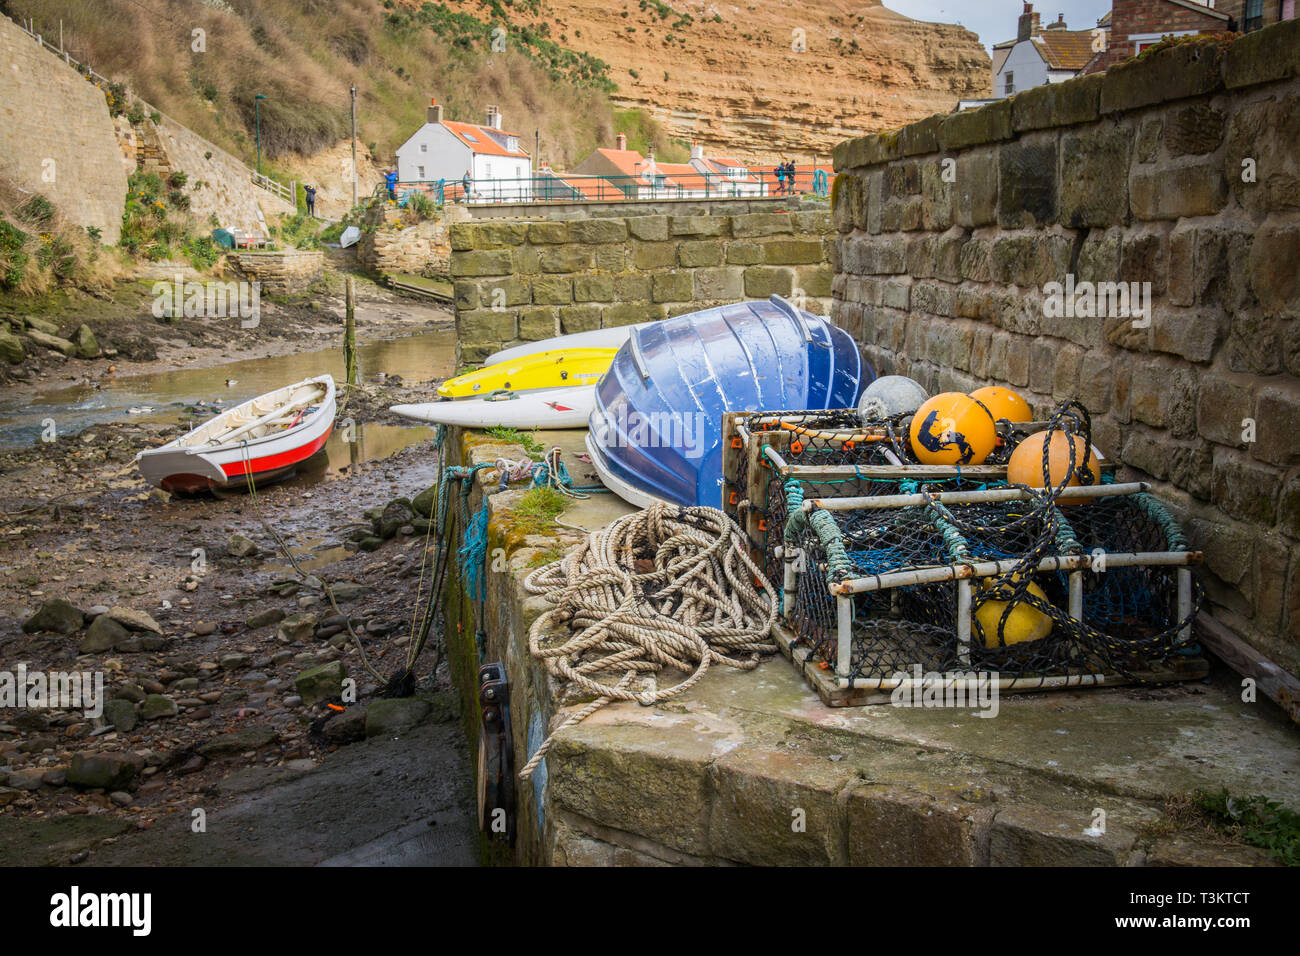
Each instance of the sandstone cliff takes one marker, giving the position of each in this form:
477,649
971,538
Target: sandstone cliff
729,76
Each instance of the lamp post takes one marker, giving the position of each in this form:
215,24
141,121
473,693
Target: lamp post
257,113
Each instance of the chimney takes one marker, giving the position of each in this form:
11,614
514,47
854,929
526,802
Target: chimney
697,151
435,110
493,118
620,141
1030,24
1059,24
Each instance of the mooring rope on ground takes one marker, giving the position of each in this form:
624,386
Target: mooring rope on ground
668,587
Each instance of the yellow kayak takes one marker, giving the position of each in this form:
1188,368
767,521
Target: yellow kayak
571,367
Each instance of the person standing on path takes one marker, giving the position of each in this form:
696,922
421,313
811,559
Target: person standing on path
310,192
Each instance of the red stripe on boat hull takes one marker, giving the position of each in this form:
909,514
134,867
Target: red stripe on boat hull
263,469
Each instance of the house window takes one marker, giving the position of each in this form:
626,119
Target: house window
421,169
512,144
1010,83
424,147
487,170
1253,17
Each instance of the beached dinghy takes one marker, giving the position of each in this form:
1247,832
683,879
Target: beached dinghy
564,368
595,339
547,408
656,431
266,437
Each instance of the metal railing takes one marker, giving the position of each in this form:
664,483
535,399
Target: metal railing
274,186
575,187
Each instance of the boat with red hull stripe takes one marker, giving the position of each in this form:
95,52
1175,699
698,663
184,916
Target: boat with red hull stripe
266,438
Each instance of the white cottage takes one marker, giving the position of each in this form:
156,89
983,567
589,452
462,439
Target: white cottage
498,167
1039,55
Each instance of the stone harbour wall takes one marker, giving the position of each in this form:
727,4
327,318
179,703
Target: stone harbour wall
519,281
389,249
1181,170
281,273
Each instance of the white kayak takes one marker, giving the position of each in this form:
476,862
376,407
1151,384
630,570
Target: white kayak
545,408
264,437
595,339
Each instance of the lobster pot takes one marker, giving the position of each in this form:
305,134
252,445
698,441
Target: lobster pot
994,582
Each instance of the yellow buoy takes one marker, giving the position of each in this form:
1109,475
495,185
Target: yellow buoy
952,429
1003,403
1026,464
556,369
1024,623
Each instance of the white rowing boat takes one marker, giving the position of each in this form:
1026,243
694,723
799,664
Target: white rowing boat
265,437
568,407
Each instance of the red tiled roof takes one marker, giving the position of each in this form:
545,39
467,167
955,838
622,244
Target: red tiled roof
1065,49
479,139
628,161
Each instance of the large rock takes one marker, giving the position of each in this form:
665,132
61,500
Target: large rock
347,727
56,615
239,546
265,618
52,342
425,502
121,714
134,620
319,683
105,771
394,717
157,705
239,741
11,347
398,512
348,590
296,628
84,340
103,634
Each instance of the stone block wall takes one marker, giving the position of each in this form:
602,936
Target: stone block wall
56,136
389,249
1181,170
525,281
281,273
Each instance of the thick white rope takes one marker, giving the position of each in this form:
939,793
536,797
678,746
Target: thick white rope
667,587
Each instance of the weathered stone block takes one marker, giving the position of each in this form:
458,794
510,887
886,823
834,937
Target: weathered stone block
1273,276
814,280
793,251
891,826
1094,174
598,231
744,253
1027,182
593,288
485,325
494,262
988,124
538,322
1245,489
465,295
1260,161
1036,836
1194,130
698,225
1222,405
631,314
631,287
1175,73
579,318
938,185
498,235
761,224
1192,334
705,252
1277,417
672,287
1263,56
727,285
867,150
565,259
648,228
654,255
764,281
812,222
461,236
1180,192
548,233
1057,104
552,290
975,194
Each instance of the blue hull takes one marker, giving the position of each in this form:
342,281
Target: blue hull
657,426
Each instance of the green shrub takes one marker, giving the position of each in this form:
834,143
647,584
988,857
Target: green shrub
13,257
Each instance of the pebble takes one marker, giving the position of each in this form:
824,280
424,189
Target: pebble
253,677
293,701
121,798
203,629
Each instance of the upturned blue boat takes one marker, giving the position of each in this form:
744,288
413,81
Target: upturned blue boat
656,432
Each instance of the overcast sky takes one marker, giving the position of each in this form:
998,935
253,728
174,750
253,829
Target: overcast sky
995,20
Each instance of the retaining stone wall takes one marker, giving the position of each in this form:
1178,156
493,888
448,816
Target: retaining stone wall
281,273
423,249
1135,175
525,281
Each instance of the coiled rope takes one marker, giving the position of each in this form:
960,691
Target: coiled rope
668,587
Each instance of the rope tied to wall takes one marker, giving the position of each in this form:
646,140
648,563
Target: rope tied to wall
665,588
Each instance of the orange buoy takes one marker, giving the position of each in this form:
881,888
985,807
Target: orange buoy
1003,403
952,429
1026,464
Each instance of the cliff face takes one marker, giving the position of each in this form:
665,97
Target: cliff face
730,78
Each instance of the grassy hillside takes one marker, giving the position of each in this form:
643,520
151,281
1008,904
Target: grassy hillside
204,61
